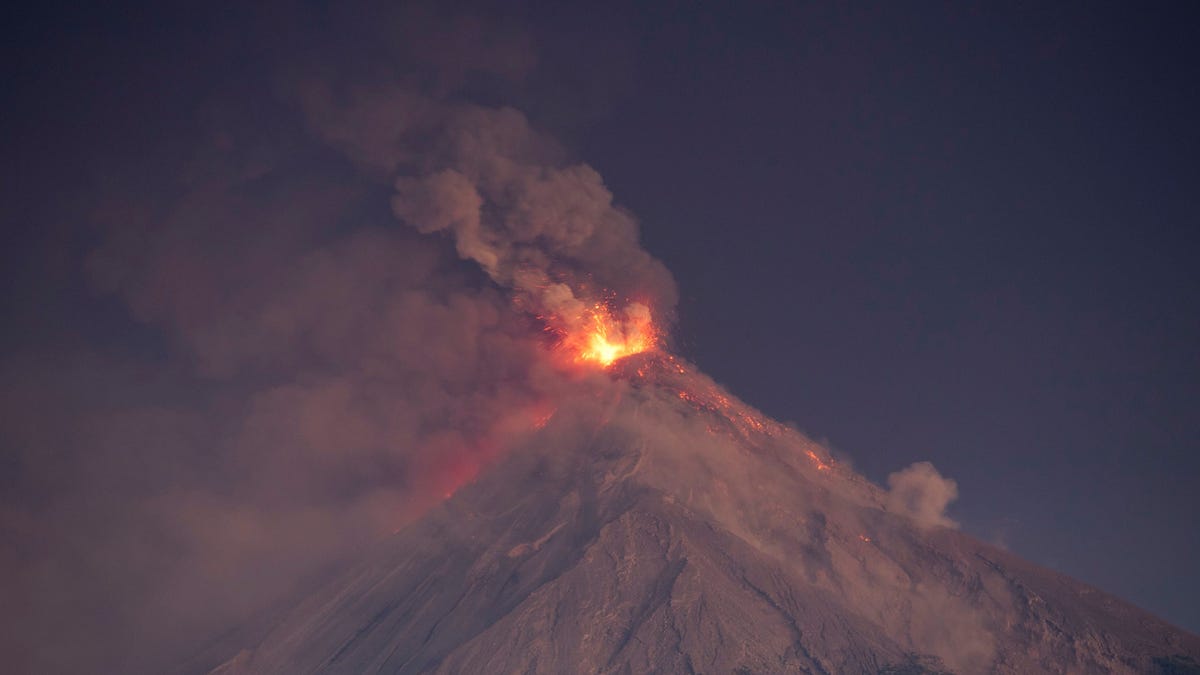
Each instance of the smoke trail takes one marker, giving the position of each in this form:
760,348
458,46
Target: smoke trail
542,227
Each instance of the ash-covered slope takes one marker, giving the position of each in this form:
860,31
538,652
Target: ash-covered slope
657,525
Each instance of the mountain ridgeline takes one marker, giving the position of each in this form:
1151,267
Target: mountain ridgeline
657,524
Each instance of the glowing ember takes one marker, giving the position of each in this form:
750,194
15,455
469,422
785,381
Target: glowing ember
604,338
540,421
821,466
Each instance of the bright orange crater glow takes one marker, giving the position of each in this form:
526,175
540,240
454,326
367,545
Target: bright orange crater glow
603,337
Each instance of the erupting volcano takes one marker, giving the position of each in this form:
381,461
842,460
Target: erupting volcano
655,523
330,349
615,510
643,519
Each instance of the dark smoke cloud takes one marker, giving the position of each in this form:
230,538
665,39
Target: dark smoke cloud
544,227
300,368
304,325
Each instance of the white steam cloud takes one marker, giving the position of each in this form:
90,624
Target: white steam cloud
921,493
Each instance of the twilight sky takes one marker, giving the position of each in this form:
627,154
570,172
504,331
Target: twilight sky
948,233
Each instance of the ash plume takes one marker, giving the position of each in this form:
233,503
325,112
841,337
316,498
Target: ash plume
343,320
309,374
543,227
329,310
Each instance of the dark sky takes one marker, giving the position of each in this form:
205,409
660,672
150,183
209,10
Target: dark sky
919,231
958,234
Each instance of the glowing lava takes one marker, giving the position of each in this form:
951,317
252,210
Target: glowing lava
821,466
604,338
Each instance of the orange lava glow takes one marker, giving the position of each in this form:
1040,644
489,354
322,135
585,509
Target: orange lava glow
604,338
540,420
821,466
738,419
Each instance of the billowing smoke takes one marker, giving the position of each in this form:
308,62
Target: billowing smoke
543,227
281,371
921,493
305,328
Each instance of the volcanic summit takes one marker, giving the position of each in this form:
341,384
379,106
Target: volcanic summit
657,524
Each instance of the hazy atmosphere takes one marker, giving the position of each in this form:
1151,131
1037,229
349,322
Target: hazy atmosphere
279,280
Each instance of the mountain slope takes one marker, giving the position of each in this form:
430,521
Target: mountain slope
658,525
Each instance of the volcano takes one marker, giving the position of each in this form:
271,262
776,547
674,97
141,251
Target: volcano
657,524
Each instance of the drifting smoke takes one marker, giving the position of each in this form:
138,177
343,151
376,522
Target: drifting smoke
921,493
306,374
544,228
289,373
